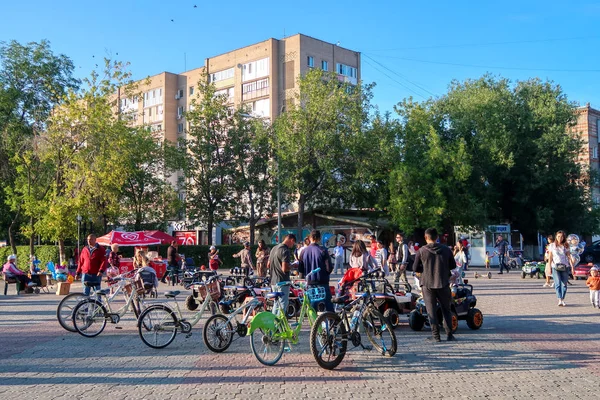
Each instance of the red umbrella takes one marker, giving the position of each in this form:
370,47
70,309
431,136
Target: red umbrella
128,239
163,237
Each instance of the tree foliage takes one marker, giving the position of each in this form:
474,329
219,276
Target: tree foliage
492,152
319,140
208,157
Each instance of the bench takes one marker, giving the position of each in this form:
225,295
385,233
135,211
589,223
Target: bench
9,280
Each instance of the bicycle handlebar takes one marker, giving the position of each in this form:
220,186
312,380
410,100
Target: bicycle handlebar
286,283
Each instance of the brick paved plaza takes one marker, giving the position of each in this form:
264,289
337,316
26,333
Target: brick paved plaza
527,348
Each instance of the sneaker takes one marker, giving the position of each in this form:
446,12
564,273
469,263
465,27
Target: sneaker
31,284
546,285
569,283
434,339
287,349
559,303
562,303
500,273
451,338
552,284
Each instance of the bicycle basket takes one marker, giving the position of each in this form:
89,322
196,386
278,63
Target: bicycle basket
316,293
213,288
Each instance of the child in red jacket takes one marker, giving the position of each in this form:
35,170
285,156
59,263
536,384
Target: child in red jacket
593,282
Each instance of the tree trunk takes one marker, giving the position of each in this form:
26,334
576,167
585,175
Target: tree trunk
61,251
11,238
31,238
301,203
252,220
210,224
138,221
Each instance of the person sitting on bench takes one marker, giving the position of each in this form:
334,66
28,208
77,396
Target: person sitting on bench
11,271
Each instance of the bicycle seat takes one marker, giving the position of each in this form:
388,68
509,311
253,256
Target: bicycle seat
105,292
172,293
91,284
274,295
340,299
281,284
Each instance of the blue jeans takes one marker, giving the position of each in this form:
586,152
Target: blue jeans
90,278
560,283
285,299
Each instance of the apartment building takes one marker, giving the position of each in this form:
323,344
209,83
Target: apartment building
588,129
262,76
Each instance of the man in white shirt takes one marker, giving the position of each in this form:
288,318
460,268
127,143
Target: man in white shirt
339,258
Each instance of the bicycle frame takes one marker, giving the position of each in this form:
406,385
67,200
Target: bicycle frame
266,320
198,315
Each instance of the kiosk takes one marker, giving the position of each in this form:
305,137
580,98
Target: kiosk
482,241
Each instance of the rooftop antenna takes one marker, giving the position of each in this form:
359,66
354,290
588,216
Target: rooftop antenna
284,33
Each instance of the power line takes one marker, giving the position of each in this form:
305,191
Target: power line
493,67
398,82
488,43
400,75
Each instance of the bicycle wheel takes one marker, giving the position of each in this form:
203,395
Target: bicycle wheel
217,333
380,333
266,345
64,311
157,326
328,340
89,317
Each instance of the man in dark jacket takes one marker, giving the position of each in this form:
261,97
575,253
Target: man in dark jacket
434,262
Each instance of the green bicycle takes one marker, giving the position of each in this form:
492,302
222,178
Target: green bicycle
269,333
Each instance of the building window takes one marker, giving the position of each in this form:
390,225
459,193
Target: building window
346,70
222,75
324,65
179,128
229,92
179,94
255,89
255,69
310,61
179,111
191,90
595,152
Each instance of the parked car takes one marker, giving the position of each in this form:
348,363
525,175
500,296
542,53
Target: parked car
591,254
582,271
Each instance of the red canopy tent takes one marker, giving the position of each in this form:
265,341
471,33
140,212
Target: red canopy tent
163,237
140,239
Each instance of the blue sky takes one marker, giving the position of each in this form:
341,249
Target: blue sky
409,48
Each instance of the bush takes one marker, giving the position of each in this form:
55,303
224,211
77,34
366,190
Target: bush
43,253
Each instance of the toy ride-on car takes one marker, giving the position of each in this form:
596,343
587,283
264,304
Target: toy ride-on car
582,271
462,308
533,268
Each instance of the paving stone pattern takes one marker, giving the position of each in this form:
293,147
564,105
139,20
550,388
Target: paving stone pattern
527,348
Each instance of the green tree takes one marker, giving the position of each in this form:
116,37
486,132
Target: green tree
147,196
33,80
251,173
315,140
208,157
85,142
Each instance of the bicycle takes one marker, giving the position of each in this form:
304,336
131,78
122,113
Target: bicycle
331,331
269,333
158,324
64,311
218,330
96,311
